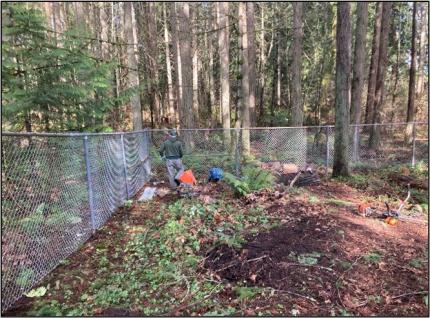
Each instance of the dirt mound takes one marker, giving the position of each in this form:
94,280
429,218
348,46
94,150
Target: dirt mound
294,257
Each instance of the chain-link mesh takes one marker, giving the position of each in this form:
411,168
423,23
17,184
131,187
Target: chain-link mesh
393,146
50,204
203,148
57,189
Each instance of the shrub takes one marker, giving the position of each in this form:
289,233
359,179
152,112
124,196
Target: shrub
257,178
241,188
254,178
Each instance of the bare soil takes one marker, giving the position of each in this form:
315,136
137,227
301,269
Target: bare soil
359,266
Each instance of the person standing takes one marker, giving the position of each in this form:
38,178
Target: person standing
171,150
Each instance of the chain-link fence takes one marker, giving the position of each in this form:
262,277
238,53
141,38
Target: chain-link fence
303,146
58,188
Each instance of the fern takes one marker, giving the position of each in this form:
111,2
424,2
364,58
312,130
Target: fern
240,187
257,178
253,179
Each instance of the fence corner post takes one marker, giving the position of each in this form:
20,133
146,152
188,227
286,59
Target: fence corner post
413,144
327,150
124,163
89,183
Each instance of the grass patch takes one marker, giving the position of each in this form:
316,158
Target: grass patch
372,257
339,202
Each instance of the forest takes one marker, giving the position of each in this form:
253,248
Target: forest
117,66
302,129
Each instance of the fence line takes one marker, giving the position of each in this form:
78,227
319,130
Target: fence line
57,191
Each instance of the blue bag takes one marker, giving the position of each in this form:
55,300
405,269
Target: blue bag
215,174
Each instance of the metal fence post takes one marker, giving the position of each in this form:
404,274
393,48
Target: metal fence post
355,144
413,144
327,150
124,163
237,153
89,184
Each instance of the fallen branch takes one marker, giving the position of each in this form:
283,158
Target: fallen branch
237,263
255,259
409,294
305,265
295,179
293,293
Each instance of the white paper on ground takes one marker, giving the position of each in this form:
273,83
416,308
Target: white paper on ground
148,194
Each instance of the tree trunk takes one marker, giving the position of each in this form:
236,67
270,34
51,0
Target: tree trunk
358,71
274,81
224,48
422,49
187,69
278,74
133,77
152,54
211,72
412,71
396,71
380,76
104,18
80,15
245,78
176,64
371,86
343,52
296,85
262,66
170,91
194,19
252,61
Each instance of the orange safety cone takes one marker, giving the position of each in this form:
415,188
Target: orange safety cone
188,178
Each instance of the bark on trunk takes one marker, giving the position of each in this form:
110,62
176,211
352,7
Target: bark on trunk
194,19
170,91
371,86
358,72
412,71
176,64
224,47
343,52
278,75
296,85
380,77
422,53
104,18
133,77
152,54
245,78
252,61
187,70
262,67
213,109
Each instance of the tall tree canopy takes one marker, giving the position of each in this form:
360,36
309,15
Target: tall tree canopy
72,66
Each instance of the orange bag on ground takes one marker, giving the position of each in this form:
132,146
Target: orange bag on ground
187,177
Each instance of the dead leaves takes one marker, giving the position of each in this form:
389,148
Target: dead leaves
218,217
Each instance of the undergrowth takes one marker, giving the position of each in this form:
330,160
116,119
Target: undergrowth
253,179
161,263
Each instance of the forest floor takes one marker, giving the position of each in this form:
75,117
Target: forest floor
304,251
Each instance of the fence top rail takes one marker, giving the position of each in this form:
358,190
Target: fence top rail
84,134
73,134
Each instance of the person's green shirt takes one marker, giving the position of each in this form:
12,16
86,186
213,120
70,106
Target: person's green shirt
171,149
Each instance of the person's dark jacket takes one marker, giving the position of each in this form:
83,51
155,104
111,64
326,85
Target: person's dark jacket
171,149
